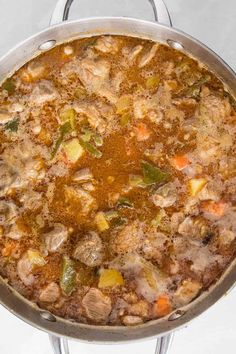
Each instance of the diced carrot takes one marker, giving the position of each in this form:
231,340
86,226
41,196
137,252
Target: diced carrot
215,208
179,162
142,132
163,305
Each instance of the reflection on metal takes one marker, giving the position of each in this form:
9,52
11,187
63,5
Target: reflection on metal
163,344
177,314
175,44
59,345
47,45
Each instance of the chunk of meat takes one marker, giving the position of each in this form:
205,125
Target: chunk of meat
83,175
226,237
140,308
214,108
91,112
16,232
194,227
8,212
107,44
36,70
7,177
165,196
132,320
146,59
143,107
83,198
89,250
50,294
24,270
129,238
97,306
176,220
201,257
56,238
211,191
154,245
5,116
131,54
95,77
43,92
186,292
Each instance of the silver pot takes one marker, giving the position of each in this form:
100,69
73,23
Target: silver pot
161,31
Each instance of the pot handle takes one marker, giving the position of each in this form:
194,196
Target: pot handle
60,345
62,9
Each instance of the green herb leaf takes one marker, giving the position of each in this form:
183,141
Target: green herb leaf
9,86
98,140
91,149
64,129
110,215
118,221
124,203
68,276
87,134
152,174
136,181
12,125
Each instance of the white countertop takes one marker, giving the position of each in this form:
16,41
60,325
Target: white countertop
211,21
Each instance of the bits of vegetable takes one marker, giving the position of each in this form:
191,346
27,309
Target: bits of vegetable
87,134
9,86
124,203
110,278
112,214
80,92
36,258
101,221
152,174
196,185
163,306
64,129
179,162
69,115
68,276
98,141
91,149
123,104
12,125
152,82
157,220
136,181
125,119
73,150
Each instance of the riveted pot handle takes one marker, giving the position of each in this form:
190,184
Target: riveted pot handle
62,9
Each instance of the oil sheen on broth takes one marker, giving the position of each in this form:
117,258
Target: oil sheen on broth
117,180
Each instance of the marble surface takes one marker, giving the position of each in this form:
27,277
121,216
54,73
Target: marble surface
212,22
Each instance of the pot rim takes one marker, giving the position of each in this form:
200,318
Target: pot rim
28,311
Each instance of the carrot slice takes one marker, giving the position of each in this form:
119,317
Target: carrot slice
142,132
163,305
215,208
179,162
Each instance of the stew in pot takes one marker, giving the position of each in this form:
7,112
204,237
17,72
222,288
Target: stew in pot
117,187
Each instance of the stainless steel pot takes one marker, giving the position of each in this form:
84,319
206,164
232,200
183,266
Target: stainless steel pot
160,31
